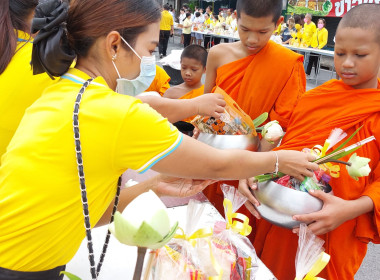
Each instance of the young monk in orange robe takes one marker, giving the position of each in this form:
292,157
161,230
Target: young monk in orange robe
258,74
193,66
161,81
350,218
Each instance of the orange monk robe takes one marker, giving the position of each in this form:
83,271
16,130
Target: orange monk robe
192,94
331,105
271,81
161,81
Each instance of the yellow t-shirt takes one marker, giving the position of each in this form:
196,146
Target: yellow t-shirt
187,26
41,220
161,81
229,20
166,20
208,21
320,38
308,32
221,19
18,89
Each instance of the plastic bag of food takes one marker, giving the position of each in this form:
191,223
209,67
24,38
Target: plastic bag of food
310,257
234,121
188,255
232,249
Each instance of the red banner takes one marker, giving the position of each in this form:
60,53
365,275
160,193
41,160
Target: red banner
325,8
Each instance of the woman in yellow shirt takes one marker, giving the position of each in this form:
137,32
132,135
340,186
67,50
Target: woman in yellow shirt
18,87
62,165
318,41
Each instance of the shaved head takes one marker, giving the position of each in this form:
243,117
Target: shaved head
364,16
260,8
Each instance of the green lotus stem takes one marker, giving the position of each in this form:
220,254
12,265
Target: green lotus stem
336,161
141,251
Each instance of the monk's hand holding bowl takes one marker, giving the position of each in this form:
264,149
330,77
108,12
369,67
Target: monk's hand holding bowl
245,187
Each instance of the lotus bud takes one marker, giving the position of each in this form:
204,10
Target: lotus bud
359,166
272,132
143,223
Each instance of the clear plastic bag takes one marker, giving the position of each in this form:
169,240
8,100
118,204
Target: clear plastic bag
310,257
232,250
188,255
234,121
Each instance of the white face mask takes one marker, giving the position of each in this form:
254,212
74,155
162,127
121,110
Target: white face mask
143,81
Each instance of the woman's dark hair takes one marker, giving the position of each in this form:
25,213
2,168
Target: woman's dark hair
197,14
298,19
323,20
88,20
188,14
13,15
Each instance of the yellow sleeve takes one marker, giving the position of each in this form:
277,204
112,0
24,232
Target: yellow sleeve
145,137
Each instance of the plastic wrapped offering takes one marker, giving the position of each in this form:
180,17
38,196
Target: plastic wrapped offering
234,121
311,258
232,249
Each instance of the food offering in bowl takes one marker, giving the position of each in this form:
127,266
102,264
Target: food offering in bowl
233,130
278,204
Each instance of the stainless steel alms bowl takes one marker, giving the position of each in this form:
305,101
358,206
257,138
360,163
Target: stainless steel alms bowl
278,204
224,142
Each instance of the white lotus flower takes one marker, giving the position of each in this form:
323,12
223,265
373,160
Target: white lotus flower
359,166
143,223
272,132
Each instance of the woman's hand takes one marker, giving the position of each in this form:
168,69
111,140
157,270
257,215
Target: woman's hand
296,164
210,104
245,187
179,187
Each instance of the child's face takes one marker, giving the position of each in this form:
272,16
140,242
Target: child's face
255,32
357,57
191,71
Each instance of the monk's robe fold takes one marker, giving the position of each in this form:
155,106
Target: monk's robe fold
161,81
192,94
331,105
270,81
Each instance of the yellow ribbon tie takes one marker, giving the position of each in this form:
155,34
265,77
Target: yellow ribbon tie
241,226
331,169
317,267
200,233
203,233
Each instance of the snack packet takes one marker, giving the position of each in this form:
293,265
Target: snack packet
234,121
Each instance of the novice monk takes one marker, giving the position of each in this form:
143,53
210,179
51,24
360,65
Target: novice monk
260,75
350,218
193,66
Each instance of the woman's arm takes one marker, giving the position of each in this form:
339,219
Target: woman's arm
162,186
178,109
193,159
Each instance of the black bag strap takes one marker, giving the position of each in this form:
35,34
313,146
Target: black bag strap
86,213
